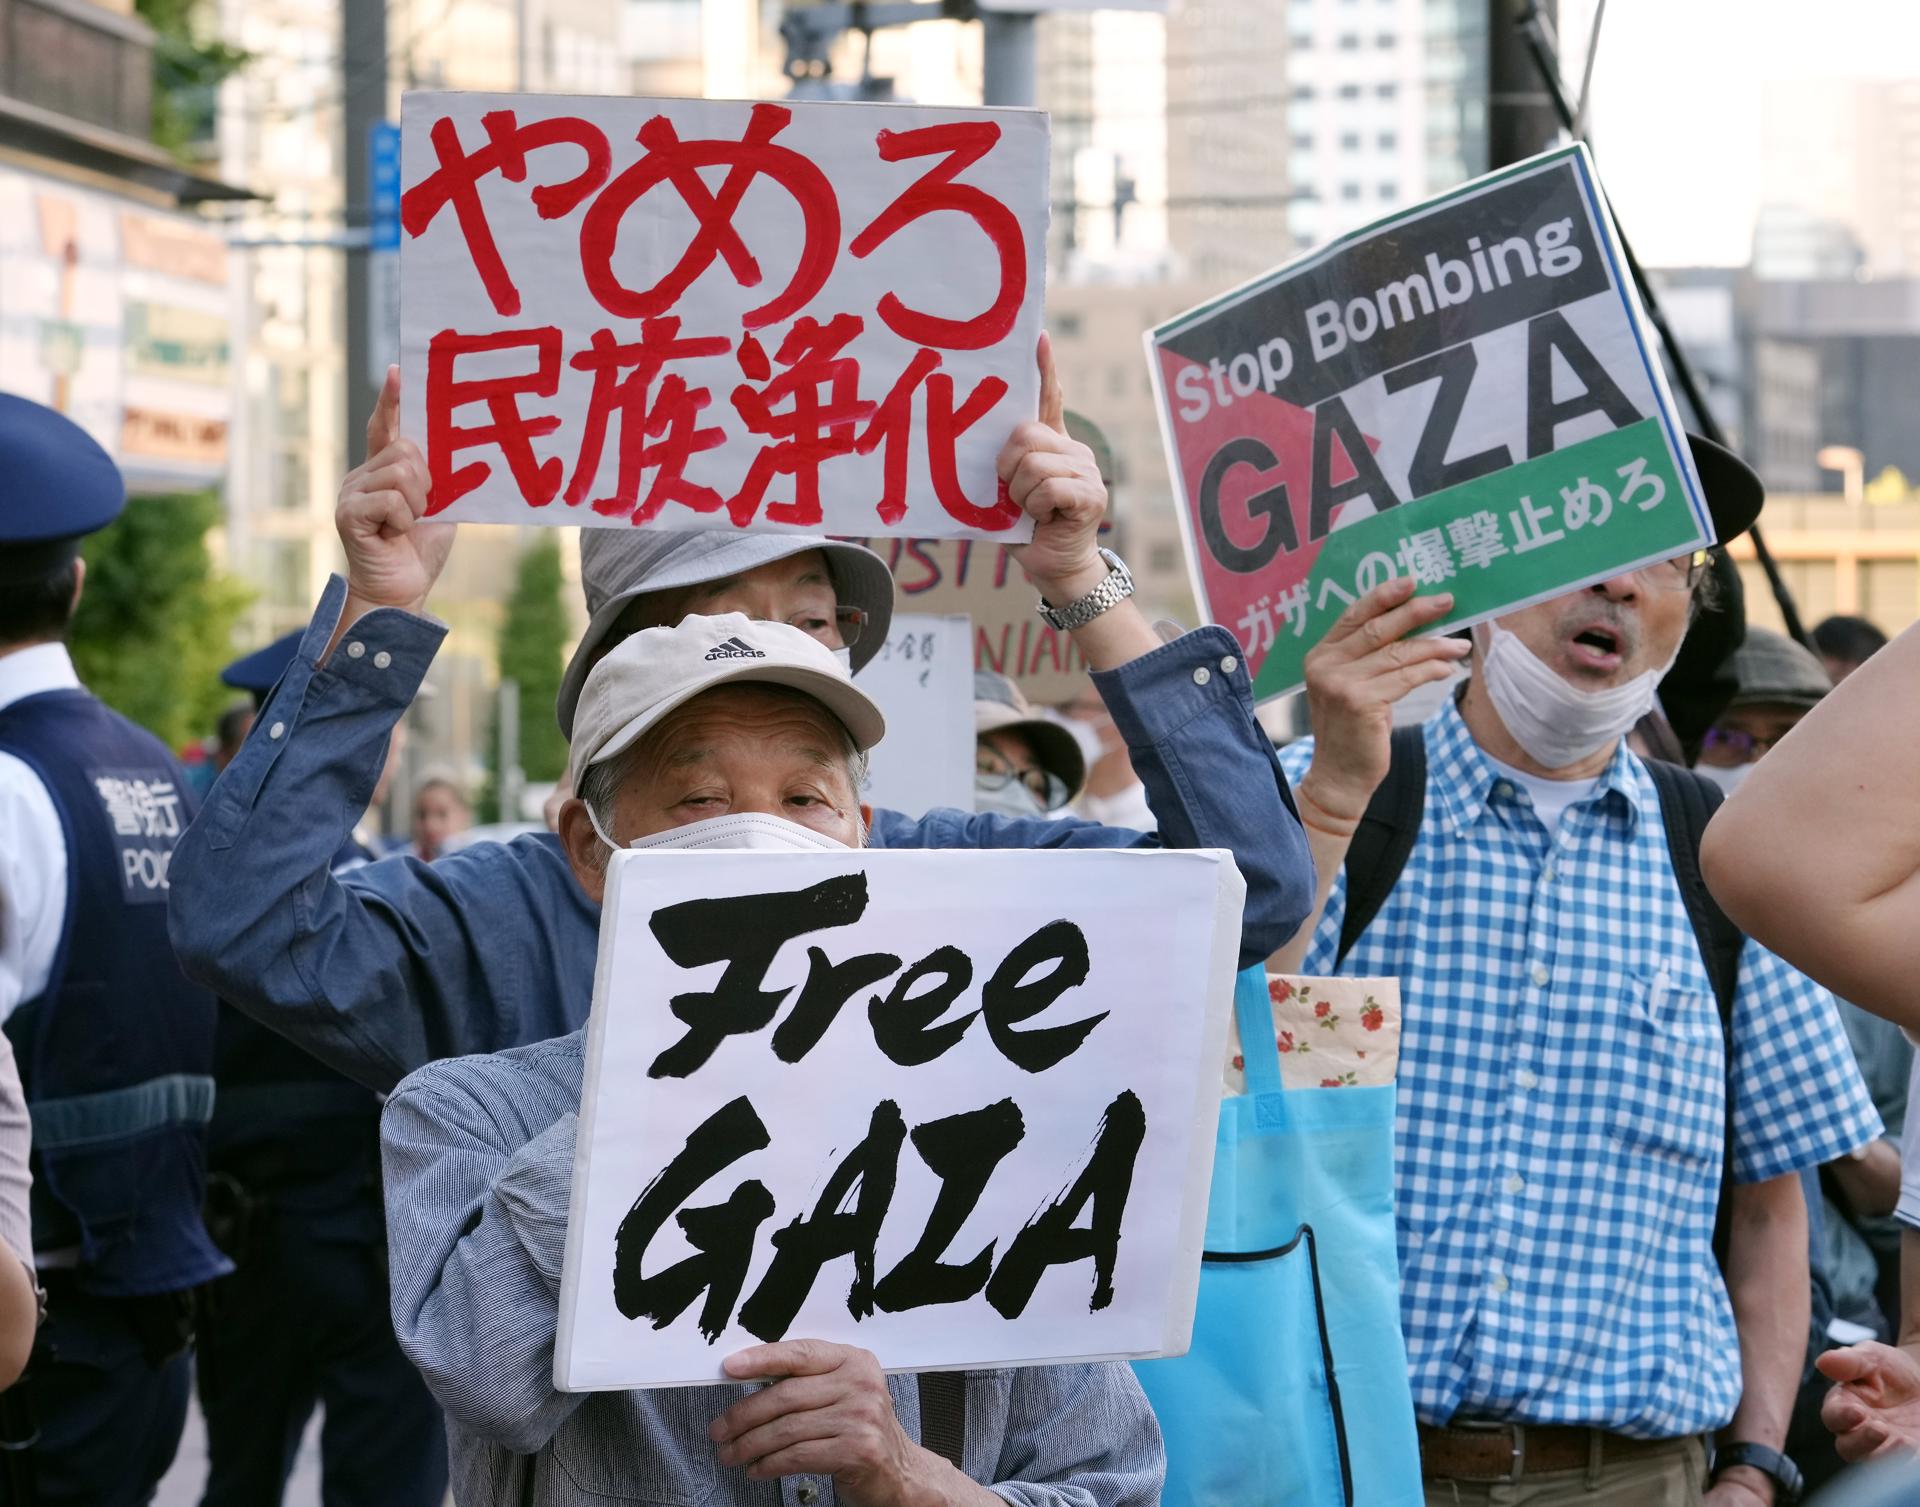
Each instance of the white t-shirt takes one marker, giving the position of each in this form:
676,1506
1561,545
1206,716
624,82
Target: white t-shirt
1907,1211
1550,798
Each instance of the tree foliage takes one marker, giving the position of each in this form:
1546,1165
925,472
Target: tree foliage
533,652
156,618
188,69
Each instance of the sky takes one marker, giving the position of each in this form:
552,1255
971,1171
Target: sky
1676,103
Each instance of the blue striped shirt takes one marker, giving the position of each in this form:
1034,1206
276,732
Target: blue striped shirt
1562,1103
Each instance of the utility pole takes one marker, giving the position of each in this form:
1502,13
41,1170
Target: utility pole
363,67
1007,68
1521,120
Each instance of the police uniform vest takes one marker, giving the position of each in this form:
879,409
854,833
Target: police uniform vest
116,1052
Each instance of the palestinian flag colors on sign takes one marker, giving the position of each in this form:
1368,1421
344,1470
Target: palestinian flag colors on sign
1464,393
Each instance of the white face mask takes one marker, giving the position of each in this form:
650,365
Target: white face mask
1011,799
753,831
1556,723
845,656
1727,779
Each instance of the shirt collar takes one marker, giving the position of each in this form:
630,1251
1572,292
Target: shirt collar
28,672
1462,777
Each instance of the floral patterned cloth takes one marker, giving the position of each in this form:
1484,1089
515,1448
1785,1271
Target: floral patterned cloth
1332,1033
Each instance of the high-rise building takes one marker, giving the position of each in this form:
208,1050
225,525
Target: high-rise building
1841,154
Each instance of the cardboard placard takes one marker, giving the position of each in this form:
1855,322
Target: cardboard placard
923,680
711,314
1464,393
955,1107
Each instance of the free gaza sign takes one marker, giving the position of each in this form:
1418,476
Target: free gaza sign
1463,393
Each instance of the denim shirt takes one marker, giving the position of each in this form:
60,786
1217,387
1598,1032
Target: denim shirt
478,1160
400,963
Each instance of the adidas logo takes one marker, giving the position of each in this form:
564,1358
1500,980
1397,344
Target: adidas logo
733,648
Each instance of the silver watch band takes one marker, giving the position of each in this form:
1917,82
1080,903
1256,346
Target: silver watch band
1114,589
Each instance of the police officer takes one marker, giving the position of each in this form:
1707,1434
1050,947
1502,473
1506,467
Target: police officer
295,1199
115,1046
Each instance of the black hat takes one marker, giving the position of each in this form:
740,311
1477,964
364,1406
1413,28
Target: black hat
1734,492
56,486
260,671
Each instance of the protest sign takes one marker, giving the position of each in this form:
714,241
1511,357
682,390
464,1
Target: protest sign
923,680
1462,393
986,583
957,1108
707,314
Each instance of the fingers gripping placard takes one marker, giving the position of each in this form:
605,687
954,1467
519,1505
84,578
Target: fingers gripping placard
707,314
896,1100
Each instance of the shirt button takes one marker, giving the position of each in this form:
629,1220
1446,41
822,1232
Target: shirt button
276,730
382,660
1525,1078
1502,788
1202,675
1229,665
809,1493
1548,872
1540,976
356,649
1515,1182
1499,1282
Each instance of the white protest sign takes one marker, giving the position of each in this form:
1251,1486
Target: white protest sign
923,679
712,314
955,1107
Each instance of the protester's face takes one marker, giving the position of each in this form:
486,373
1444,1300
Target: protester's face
797,591
437,815
1006,754
1838,669
1611,632
1744,733
731,750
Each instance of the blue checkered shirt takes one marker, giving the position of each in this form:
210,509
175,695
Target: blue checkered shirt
1562,1103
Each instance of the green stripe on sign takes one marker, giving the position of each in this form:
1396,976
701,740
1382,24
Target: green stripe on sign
1531,531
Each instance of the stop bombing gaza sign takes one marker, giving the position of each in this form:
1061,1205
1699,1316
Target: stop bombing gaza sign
1463,393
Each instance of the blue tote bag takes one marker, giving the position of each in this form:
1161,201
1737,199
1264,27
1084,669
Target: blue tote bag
1295,1390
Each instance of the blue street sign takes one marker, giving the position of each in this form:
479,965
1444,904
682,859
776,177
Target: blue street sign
383,139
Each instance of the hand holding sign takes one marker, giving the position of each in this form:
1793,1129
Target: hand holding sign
393,558
829,1415
1355,674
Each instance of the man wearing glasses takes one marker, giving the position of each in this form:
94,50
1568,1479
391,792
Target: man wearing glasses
1023,764
1563,1083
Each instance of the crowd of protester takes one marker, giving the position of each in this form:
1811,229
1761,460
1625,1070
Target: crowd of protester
1658,1242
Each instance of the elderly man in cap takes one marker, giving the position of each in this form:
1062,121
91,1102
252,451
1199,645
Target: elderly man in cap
115,1047
763,747
294,1163
1578,1020
390,967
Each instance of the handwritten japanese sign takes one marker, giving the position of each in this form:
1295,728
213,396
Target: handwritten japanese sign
1463,393
703,314
923,680
889,1099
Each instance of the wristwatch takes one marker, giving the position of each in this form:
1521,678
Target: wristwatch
1116,588
1769,1462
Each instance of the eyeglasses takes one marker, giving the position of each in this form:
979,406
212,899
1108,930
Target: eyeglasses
1744,746
1681,573
849,621
994,773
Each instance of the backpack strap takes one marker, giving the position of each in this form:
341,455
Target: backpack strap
1385,836
1687,803
943,1414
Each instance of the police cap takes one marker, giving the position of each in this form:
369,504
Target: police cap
56,486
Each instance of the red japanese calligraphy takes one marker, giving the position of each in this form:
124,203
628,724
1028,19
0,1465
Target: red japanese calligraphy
671,160
510,430
965,143
456,181
672,418
812,430
892,426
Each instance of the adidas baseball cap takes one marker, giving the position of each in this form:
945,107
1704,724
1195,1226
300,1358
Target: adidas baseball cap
617,565
651,673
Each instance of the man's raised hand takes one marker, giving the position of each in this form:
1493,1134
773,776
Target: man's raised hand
1874,1407
1056,481
393,557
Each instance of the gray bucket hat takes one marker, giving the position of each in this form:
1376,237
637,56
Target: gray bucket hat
617,565
1770,669
999,703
